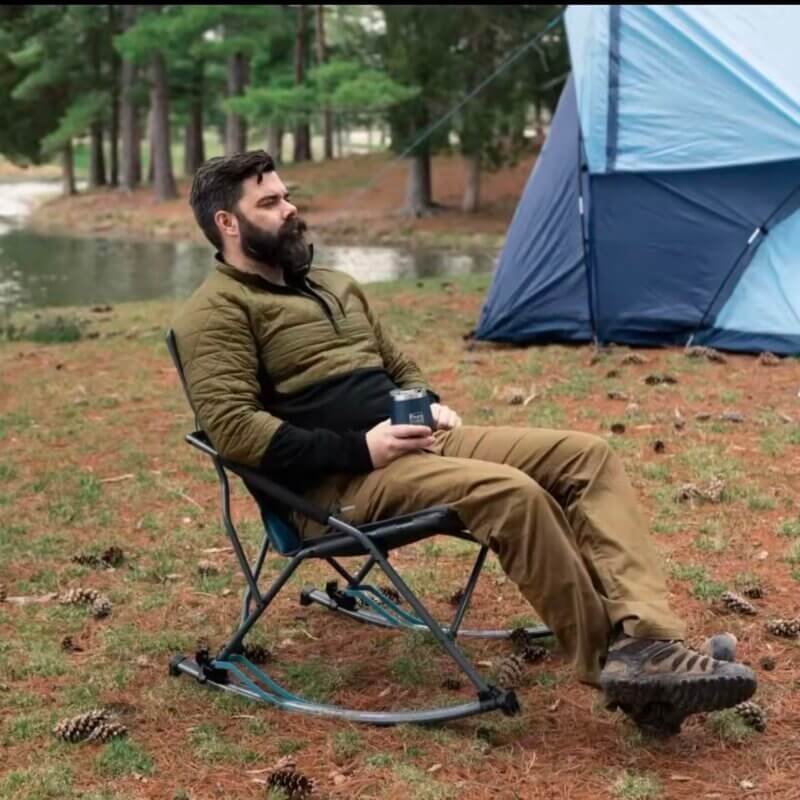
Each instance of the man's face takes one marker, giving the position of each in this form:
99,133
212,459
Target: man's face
267,226
266,203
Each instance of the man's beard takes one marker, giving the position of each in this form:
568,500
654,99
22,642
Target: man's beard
287,249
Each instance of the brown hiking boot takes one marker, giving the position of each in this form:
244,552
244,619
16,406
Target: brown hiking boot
660,682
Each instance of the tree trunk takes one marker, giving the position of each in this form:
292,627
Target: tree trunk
67,170
472,186
137,148
97,161
327,116
235,124
302,133
194,152
129,123
113,133
338,129
275,142
151,157
418,186
163,178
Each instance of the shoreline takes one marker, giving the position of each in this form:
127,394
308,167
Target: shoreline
329,235
338,199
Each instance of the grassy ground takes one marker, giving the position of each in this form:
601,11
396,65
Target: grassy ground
90,431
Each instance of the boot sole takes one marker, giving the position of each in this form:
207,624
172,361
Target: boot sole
681,695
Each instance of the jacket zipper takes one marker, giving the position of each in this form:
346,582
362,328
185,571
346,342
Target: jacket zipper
307,290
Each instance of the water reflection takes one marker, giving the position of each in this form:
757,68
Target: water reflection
47,270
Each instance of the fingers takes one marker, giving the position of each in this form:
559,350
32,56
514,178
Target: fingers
407,445
448,419
410,431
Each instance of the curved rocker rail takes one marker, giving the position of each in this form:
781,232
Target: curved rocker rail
494,699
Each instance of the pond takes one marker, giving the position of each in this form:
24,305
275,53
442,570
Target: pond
38,270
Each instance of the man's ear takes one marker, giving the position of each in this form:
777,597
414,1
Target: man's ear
227,223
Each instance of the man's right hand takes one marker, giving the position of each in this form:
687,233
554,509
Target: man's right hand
386,442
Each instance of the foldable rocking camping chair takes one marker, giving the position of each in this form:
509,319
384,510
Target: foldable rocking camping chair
231,671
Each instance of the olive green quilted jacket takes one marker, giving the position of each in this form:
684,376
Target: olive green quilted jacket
289,379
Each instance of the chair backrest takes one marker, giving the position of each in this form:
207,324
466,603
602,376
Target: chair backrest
282,536
172,347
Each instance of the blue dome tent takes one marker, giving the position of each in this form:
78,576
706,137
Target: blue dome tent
664,207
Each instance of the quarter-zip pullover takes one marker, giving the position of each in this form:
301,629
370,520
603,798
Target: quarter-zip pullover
289,378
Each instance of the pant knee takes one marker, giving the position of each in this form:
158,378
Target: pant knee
592,445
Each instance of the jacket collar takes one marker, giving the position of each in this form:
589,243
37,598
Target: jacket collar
251,278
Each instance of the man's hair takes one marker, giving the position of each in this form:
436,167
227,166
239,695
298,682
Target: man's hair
217,186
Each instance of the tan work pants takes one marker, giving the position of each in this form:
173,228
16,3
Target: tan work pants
557,509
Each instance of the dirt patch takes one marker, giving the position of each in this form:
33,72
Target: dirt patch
92,457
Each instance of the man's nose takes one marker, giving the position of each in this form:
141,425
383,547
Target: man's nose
290,210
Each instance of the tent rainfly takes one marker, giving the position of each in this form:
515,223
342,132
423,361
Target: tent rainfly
664,208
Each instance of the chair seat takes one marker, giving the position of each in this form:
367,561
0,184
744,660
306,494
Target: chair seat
391,533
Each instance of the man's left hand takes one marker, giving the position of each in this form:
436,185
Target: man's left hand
444,418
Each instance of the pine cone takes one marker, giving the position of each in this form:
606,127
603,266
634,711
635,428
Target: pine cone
788,628
101,607
509,672
78,596
392,594
526,646
76,729
520,637
712,492
738,604
752,714
754,591
706,352
107,730
768,360
294,784
633,358
207,569
69,645
112,556
456,597
88,560
533,653
256,653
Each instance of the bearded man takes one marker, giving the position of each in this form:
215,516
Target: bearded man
289,370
